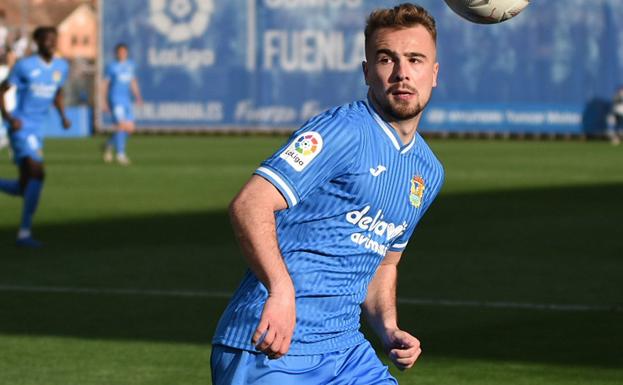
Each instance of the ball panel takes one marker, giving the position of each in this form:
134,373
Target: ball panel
487,11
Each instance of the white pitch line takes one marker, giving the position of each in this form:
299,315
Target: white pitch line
226,295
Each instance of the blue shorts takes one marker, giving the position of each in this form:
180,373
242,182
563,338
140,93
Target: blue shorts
122,113
26,143
354,366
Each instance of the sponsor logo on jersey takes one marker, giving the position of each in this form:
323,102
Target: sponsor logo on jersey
302,150
417,191
378,170
43,90
373,225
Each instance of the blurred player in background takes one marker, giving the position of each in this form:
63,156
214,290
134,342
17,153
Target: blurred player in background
323,224
7,60
615,118
120,85
38,80
4,132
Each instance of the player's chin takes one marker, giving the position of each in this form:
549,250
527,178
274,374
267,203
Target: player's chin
405,110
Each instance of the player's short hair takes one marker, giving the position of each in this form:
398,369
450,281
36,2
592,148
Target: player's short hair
401,16
40,32
119,46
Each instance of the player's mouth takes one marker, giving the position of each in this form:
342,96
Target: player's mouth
403,94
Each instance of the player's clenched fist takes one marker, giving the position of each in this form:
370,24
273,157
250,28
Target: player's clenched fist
403,349
274,332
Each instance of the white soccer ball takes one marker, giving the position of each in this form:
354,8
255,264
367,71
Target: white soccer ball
487,11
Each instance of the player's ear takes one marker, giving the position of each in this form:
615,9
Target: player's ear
435,73
364,68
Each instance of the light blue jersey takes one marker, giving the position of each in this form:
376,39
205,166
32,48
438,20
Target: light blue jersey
36,85
354,192
120,75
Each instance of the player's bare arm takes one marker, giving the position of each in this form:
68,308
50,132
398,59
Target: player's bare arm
105,85
380,311
252,214
59,103
136,91
15,123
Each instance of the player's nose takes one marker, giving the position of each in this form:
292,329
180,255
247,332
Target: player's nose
400,73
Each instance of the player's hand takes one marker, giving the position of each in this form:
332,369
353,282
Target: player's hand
402,348
274,332
66,123
15,124
105,107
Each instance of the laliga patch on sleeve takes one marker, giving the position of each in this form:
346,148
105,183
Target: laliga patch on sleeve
302,150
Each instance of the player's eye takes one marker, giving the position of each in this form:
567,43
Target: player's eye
384,60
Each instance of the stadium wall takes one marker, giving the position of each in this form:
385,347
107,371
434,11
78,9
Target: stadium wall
269,65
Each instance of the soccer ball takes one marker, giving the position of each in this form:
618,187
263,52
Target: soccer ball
487,11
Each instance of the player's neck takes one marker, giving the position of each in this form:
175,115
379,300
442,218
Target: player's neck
47,58
405,129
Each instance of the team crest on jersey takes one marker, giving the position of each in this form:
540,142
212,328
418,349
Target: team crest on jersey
417,191
302,150
56,76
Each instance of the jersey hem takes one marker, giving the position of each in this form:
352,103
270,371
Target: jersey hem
296,351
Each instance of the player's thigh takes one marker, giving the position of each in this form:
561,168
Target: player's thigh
26,144
238,367
361,366
119,112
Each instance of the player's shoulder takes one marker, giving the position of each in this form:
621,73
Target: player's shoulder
349,116
339,125
110,66
352,110
429,155
60,62
26,62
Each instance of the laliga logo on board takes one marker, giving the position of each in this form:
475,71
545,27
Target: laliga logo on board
181,20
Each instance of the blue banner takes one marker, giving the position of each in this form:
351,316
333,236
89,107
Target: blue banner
272,64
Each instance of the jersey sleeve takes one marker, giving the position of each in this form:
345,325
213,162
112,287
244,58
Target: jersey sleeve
400,243
322,149
65,72
108,73
16,76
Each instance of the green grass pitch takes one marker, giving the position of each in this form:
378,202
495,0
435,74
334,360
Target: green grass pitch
129,286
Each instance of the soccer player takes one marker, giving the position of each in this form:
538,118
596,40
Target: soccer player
119,86
324,221
38,79
615,118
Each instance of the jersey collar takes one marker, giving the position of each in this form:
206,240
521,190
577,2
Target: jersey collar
390,132
46,64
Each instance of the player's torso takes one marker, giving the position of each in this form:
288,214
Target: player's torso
349,223
385,195
121,75
39,83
